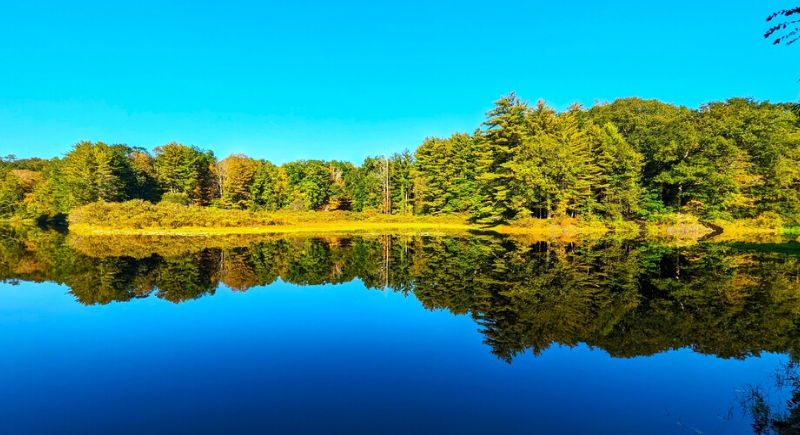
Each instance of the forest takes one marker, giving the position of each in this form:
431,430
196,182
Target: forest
631,159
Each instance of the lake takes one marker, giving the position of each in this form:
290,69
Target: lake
446,334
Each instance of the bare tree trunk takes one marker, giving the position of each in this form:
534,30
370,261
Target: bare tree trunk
221,175
386,242
387,197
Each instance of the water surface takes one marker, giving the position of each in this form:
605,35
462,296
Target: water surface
381,334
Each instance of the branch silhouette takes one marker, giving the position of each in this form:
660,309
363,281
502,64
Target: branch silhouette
786,31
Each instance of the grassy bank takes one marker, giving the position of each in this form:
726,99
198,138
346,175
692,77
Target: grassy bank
136,218
16,220
333,227
343,226
757,229
144,218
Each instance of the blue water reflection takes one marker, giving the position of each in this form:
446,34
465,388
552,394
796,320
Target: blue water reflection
339,359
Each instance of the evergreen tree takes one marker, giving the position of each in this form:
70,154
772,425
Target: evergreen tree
310,184
444,175
185,172
270,188
143,183
619,192
665,135
95,171
506,128
364,185
553,172
401,186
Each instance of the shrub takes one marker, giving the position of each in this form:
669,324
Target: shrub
175,198
142,214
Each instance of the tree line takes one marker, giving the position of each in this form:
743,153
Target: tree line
628,159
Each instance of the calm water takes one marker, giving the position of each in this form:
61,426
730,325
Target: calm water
387,335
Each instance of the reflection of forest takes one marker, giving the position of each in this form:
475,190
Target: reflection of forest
627,298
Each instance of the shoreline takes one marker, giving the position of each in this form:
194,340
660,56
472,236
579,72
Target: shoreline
350,227
340,227
345,225
147,219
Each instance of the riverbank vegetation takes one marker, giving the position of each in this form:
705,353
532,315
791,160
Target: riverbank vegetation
139,217
732,164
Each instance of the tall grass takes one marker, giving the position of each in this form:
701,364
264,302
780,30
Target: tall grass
138,214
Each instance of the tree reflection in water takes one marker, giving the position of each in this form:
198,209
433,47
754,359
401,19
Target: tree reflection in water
774,408
627,298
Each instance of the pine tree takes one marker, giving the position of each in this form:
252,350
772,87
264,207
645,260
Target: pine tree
443,175
619,191
401,183
185,172
506,128
92,172
270,188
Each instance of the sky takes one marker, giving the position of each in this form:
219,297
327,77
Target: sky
343,80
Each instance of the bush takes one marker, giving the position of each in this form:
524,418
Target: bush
176,198
139,214
719,215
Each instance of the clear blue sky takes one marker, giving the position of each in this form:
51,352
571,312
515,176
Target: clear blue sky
342,80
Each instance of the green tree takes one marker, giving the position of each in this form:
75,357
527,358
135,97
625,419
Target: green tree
16,191
340,197
270,188
235,177
554,172
757,150
310,183
185,172
315,185
618,191
506,128
666,137
444,175
364,185
401,188
143,183
93,172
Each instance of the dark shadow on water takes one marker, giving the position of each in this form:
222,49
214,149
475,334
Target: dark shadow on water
56,222
486,231
790,247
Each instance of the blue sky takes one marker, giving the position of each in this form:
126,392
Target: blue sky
343,80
